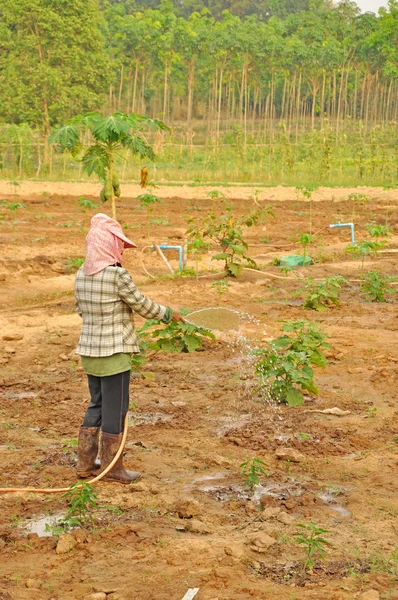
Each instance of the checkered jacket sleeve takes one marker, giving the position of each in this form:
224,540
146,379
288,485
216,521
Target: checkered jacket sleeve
137,301
106,303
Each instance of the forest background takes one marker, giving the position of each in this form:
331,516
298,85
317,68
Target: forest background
255,91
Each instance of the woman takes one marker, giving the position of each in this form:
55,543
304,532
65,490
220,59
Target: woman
106,299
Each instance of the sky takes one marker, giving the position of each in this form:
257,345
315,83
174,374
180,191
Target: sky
372,5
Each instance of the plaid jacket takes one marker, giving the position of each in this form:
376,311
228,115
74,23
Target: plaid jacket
106,302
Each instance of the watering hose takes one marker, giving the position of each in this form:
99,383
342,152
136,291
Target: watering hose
67,489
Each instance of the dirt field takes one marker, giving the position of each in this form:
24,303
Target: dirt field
190,522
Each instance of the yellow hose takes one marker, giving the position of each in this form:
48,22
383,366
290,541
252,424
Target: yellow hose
67,489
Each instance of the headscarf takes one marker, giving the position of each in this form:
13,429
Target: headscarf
105,243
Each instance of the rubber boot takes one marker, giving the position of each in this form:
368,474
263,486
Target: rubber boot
87,450
109,446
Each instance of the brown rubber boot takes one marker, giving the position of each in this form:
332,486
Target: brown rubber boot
109,446
87,450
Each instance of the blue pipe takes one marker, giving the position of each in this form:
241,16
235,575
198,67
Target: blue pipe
346,225
180,252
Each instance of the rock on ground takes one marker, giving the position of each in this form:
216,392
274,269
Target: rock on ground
370,595
289,454
66,543
187,508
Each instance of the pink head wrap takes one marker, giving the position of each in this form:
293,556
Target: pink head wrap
105,243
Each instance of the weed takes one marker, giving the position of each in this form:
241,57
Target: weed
323,294
310,536
251,470
375,286
287,362
159,221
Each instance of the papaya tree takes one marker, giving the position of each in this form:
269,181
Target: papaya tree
108,136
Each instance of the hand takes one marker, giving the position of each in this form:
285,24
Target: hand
177,317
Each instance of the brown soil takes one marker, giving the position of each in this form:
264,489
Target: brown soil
195,422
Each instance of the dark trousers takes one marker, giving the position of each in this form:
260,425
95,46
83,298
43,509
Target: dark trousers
109,402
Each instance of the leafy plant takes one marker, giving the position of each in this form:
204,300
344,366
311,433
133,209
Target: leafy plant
323,294
286,364
111,134
310,536
377,231
227,231
74,263
251,470
365,248
306,192
148,201
221,287
82,501
305,239
86,203
375,286
357,198
195,245
176,336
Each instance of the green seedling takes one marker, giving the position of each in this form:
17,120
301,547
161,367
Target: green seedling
86,203
375,286
365,248
227,231
305,239
322,295
176,336
221,288
378,231
286,363
74,263
148,202
82,502
196,245
310,536
306,192
357,198
251,471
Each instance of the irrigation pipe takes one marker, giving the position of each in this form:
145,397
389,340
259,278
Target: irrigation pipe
67,489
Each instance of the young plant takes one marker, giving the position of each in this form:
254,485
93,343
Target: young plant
286,364
305,239
310,536
251,470
221,287
176,336
195,245
320,296
86,203
148,201
74,263
306,192
365,248
378,231
82,501
375,286
357,198
13,207
110,135
227,231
